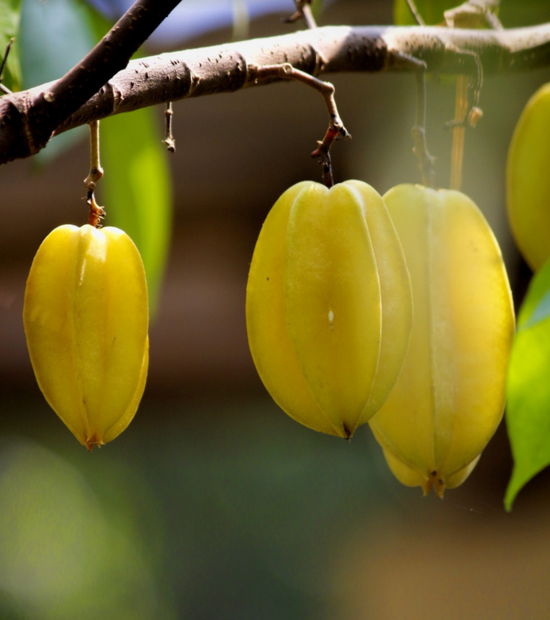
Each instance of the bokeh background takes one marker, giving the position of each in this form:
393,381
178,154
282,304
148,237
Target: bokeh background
214,504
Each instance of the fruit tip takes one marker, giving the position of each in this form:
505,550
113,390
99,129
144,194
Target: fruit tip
93,441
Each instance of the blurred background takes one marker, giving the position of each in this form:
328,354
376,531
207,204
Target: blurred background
214,504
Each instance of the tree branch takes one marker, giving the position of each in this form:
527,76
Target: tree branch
35,114
27,119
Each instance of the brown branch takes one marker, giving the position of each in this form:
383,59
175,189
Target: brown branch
226,68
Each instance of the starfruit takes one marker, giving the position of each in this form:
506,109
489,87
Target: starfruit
449,397
528,180
328,305
86,321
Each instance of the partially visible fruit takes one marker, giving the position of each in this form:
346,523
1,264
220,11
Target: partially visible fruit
86,320
449,397
328,305
528,180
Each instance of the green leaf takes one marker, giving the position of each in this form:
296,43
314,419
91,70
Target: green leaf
528,387
9,28
137,189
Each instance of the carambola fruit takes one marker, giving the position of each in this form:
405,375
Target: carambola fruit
449,397
86,322
328,305
528,180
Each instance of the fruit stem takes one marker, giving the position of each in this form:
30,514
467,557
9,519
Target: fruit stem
169,139
336,126
420,149
96,213
457,152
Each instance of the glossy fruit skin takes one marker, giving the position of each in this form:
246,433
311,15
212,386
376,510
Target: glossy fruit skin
449,397
86,321
528,180
328,305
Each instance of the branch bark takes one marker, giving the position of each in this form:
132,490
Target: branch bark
28,118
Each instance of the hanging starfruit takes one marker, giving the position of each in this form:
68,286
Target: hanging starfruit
86,320
328,305
528,181
449,397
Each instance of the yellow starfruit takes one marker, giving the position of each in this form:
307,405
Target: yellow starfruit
528,181
328,305
86,321
449,397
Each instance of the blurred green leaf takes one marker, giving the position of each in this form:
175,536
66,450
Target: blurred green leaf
137,189
66,550
528,387
9,28
526,13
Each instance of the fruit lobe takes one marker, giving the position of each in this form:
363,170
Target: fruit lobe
86,321
528,181
449,397
328,305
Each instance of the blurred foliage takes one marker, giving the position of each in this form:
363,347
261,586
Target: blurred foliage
233,499
528,387
62,553
9,28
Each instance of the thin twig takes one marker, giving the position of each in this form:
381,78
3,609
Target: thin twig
96,213
169,139
457,150
468,15
303,11
472,113
474,14
336,126
415,13
4,88
425,160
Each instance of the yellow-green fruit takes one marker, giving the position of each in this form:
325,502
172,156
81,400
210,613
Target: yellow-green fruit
86,320
328,305
449,398
528,180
